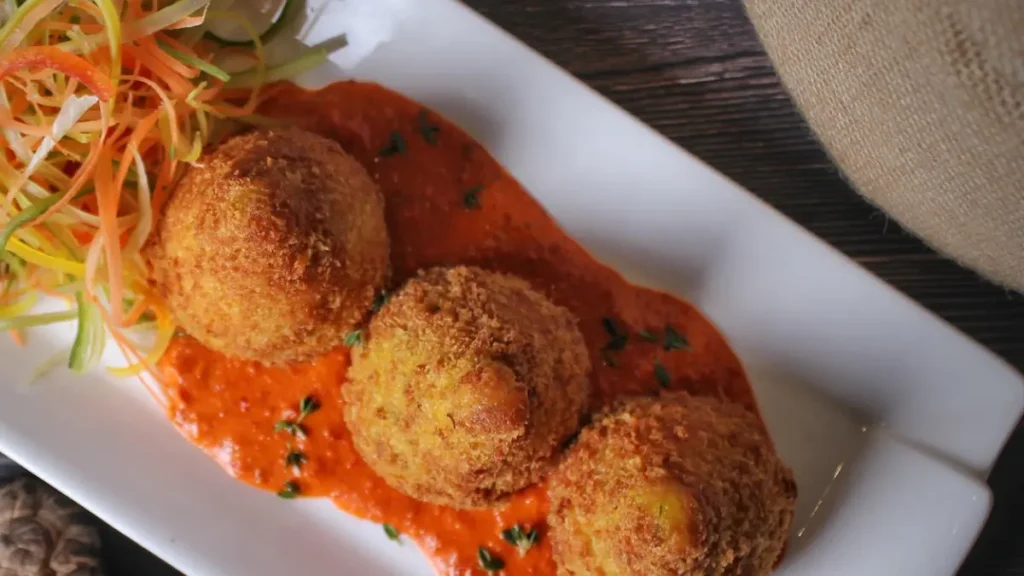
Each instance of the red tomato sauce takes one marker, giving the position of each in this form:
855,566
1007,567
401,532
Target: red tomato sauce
230,407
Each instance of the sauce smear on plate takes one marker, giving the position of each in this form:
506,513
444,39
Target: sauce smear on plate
448,202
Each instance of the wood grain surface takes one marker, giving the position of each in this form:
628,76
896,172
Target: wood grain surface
694,70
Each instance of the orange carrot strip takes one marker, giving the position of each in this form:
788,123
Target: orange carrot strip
84,27
141,131
161,189
136,312
172,79
56,59
148,44
107,196
168,106
81,177
6,121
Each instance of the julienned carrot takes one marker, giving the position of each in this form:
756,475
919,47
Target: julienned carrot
161,189
136,312
107,195
8,121
66,26
156,61
132,354
151,48
168,107
157,97
54,58
142,131
81,177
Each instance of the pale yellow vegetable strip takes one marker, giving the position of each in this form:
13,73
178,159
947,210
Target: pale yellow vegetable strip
33,256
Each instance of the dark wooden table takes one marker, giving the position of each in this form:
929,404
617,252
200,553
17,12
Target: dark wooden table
694,70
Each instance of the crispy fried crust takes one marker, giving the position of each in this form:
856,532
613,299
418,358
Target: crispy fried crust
274,248
677,485
468,384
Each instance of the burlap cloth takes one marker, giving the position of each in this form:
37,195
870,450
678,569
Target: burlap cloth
921,103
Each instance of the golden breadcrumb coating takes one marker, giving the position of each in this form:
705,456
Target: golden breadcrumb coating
676,485
467,386
273,247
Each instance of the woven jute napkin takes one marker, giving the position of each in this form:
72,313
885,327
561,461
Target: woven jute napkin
921,104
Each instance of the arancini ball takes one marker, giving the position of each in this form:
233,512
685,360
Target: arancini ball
273,247
467,386
671,486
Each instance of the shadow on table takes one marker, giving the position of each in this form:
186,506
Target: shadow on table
123,557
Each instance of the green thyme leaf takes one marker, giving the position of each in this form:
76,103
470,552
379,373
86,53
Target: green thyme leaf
379,301
393,533
674,340
291,427
647,335
294,459
354,338
471,198
428,131
522,539
617,339
662,375
289,491
396,145
489,561
307,406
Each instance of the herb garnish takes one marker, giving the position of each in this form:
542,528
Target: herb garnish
379,301
662,375
354,338
471,198
396,145
294,458
617,338
674,340
489,561
290,490
307,406
647,335
427,130
520,538
292,427
393,533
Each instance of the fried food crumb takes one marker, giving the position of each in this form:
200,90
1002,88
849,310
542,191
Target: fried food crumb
273,247
675,485
468,385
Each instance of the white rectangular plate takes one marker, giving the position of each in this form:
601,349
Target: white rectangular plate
889,417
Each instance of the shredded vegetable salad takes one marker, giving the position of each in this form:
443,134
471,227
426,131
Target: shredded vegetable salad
103,104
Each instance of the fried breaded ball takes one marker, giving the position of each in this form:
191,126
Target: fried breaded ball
467,386
676,485
273,247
